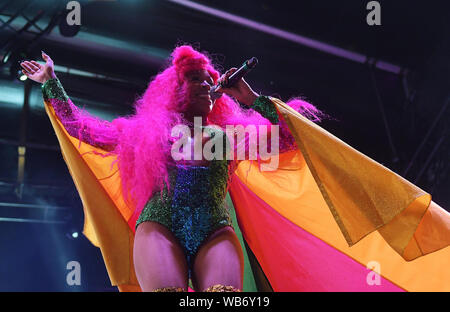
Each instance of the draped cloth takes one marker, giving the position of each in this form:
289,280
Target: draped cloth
327,219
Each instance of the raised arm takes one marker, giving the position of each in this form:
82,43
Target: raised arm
78,123
265,107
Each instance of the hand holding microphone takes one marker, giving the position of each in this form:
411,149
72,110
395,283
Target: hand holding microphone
233,84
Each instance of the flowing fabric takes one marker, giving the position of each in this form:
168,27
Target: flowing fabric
300,221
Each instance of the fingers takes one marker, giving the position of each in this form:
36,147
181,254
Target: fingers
231,70
26,73
47,59
29,67
33,66
224,78
36,64
26,69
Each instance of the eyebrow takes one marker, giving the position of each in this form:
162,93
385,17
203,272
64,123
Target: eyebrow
208,77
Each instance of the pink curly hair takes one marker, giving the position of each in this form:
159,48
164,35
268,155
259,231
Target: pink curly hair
144,138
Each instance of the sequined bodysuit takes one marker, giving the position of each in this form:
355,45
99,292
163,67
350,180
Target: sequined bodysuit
193,206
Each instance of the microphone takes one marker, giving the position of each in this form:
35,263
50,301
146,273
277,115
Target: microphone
238,74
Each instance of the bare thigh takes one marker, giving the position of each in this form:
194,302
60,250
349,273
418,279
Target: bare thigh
219,260
158,257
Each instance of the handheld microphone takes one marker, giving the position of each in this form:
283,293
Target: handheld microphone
238,74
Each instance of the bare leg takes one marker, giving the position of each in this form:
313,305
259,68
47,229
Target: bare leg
220,260
159,260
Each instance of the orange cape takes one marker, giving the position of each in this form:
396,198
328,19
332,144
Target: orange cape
324,198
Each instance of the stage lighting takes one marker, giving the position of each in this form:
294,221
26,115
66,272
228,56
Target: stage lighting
72,234
16,72
14,58
6,57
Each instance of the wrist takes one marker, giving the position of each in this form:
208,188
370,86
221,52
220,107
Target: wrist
48,77
52,89
264,105
250,98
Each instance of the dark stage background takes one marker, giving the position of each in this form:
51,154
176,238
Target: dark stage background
398,117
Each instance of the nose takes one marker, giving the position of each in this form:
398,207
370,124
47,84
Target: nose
205,85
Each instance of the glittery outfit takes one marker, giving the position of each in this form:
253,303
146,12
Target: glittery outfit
193,206
68,113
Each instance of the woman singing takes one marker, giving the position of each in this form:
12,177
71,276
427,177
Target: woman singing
183,228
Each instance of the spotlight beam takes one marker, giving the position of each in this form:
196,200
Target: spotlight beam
21,220
16,205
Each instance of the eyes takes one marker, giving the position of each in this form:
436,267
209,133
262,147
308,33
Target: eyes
197,78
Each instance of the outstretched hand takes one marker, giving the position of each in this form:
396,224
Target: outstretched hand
37,72
241,90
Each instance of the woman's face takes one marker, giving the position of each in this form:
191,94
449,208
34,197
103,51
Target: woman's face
195,88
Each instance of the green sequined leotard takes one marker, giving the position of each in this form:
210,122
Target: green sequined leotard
193,207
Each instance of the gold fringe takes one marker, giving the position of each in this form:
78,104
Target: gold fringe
169,289
222,288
